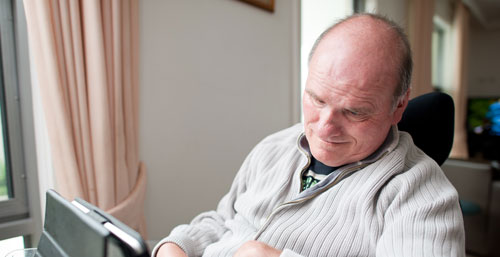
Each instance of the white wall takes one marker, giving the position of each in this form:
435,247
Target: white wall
216,77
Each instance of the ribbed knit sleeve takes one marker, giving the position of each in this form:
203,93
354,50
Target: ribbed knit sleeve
289,253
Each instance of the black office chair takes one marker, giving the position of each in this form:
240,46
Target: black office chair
430,121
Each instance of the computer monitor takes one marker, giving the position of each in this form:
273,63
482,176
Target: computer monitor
78,229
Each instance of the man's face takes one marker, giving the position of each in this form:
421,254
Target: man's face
347,104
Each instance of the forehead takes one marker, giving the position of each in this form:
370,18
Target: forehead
356,95
361,53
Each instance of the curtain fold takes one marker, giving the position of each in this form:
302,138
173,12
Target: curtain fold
460,70
86,58
421,13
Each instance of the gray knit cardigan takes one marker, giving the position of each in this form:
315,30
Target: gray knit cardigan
397,202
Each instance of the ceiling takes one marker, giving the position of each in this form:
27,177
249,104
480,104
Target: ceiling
487,12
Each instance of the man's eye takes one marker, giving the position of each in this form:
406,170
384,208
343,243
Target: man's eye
316,101
355,115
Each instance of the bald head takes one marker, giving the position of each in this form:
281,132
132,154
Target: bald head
374,38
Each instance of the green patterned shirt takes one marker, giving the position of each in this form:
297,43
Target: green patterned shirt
316,172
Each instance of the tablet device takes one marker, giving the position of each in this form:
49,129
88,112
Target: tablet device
78,229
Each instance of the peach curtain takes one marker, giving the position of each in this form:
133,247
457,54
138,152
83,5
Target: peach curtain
421,13
85,55
459,91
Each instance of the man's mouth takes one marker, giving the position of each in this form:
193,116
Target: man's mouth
333,141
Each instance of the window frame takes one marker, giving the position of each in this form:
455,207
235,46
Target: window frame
21,215
17,206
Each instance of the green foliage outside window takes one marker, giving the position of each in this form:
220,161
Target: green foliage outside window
3,180
3,172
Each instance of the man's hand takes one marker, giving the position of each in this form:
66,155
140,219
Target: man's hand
170,250
256,249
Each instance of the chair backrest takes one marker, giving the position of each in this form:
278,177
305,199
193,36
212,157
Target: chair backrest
430,119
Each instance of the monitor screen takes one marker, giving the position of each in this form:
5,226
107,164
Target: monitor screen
477,107
481,143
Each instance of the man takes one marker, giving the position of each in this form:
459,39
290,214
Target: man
347,182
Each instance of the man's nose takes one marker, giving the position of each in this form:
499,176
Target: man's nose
330,123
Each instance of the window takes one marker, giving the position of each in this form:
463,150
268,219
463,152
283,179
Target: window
441,55
14,203
437,57
18,178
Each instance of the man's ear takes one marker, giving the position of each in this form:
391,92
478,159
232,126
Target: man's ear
400,108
